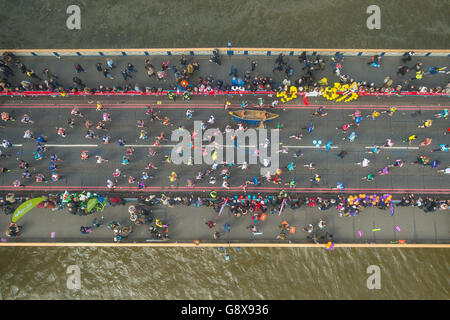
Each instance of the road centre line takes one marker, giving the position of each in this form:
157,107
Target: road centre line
227,146
401,148
72,145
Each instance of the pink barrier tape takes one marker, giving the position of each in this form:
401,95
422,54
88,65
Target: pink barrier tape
211,93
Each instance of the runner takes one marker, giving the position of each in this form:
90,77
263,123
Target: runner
411,138
310,165
345,127
109,184
121,142
388,144
106,117
339,186
28,134
6,144
26,119
143,135
23,164
423,160
442,148
130,151
352,136
116,173
106,139
369,177
75,111
320,112
100,160
443,114
88,124
426,142
445,171
100,106
125,160
364,163
40,178
315,179
397,164
140,123
390,111
291,166
71,123
90,135
375,114
84,155
426,124
7,117
321,224
297,136
17,183
101,125
55,177
61,132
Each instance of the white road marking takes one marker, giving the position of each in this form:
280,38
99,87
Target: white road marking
400,148
311,147
72,145
167,146
227,146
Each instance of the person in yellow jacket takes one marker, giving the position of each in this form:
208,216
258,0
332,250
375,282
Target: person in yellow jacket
323,81
419,75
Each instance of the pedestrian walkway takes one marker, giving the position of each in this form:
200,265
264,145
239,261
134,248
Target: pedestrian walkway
186,224
168,68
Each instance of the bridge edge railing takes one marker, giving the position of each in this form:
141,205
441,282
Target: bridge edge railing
224,51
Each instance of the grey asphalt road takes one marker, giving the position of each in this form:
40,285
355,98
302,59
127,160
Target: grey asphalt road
124,113
50,113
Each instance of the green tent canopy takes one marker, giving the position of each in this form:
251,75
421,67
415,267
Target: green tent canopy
25,207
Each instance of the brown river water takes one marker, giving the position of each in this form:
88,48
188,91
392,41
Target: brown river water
204,273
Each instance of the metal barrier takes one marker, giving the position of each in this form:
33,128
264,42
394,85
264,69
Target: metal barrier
211,93
224,51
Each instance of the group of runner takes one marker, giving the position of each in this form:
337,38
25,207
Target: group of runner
218,171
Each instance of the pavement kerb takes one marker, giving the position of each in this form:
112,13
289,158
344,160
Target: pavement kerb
225,51
214,245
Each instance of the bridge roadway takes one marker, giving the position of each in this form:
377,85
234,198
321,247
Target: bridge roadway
49,114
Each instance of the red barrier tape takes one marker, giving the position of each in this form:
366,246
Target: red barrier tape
211,93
